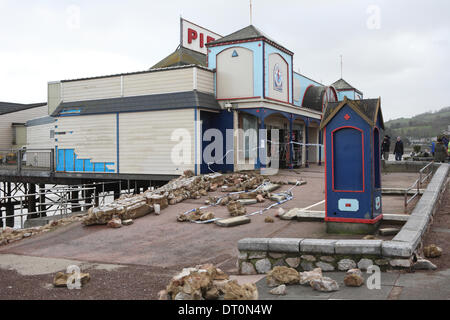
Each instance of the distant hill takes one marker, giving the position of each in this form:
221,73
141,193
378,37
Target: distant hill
423,126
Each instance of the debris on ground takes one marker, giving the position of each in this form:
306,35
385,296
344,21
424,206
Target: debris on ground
282,275
206,282
307,276
324,284
432,251
269,220
370,237
61,279
423,264
114,223
279,291
354,278
280,212
236,208
128,222
232,222
10,235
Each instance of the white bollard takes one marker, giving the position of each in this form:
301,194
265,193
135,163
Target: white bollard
157,209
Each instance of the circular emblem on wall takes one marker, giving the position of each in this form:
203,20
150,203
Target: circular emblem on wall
277,78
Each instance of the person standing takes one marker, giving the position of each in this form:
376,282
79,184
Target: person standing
398,150
440,153
385,146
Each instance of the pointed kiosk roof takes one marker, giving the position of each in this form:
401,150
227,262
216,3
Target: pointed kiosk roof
248,33
182,57
367,109
342,85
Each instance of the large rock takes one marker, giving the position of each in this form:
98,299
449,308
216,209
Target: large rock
234,291
279,291
293,262
324,284
423,264
325,266
114,223
263,266
282,275
61,279
247,268
235,208
432,251
364,264
307,276
353,280
346,264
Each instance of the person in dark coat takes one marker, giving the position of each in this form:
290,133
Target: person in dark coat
385,146
398,150
440,153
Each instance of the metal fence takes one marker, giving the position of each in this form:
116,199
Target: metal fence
27,160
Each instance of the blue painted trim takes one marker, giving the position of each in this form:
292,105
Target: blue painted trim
118,143
195,143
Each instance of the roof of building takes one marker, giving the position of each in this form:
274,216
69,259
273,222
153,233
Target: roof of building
166,101
248,33
182,57
341,84
9,107
40,121
313,98
368,109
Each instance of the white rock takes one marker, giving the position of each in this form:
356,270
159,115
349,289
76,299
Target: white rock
263,266
325,266
279,291
423,264
346,264
355,271
363,264
307,276
27,235
247,268
157,208
324,284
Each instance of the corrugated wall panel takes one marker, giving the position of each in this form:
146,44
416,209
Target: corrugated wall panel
92,137
205,81
38,137
91,89
6,131
158,82
145,141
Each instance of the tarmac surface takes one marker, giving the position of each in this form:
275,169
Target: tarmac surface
159,246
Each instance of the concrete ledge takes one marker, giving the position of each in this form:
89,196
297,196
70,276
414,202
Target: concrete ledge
325,246
253,244
358,247
290,245
391,217
231,222
396,249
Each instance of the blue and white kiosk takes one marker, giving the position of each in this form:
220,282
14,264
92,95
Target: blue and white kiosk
352,133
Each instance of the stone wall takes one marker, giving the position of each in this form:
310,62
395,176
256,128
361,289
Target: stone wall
260,255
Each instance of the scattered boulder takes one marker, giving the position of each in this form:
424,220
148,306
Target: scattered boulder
127,222
61,279
432,251
307,276
346,264
423,264
114,223
282,275
207,216
234,291
324,284
353,280
279,291
235,208
269,220
260,198
355,271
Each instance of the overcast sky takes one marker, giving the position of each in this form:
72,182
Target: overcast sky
397,49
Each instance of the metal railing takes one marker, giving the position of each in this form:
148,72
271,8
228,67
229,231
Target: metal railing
424,174
64,204
27,160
